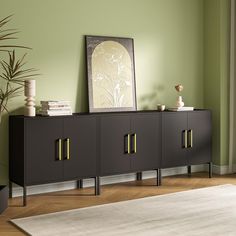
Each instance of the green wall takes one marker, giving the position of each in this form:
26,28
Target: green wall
169,37
216,73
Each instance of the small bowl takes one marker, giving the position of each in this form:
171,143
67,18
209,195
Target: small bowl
161,107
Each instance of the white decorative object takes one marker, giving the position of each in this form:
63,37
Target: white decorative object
161,107
179,102
30,94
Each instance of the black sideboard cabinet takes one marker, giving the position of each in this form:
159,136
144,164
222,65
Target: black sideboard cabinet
130,142
186,138
53,149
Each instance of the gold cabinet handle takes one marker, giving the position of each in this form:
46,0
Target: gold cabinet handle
185,139
128,144
59,150
191,138
68,149
135,143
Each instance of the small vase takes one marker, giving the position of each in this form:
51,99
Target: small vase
179,102
30,101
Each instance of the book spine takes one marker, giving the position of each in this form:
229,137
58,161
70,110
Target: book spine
62,114
56,107
54,103
56,113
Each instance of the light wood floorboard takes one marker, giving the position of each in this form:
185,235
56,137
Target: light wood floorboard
72,199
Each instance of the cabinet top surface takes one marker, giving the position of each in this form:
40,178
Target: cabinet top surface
81,114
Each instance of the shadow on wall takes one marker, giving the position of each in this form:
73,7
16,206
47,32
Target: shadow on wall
82,90
146,101
150,100
4,143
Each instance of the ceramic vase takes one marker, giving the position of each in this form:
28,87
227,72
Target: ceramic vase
30,86
179,102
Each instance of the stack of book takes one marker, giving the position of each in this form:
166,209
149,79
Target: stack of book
55,108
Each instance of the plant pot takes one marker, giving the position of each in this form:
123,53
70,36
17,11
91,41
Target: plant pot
3,198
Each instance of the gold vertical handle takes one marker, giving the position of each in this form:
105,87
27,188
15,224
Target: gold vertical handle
185,139
68,149
135,143
191,138
59,150
128,143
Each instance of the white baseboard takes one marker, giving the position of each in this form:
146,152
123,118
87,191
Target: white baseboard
53,187
234,168
221,170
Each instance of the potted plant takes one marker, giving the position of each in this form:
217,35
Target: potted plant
13,72
12,76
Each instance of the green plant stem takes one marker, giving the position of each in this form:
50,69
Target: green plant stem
7,90
13,72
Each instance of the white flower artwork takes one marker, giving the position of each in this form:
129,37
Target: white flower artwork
112,76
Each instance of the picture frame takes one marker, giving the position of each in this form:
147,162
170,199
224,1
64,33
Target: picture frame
110,74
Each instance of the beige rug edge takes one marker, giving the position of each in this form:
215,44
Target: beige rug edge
120,202
18,220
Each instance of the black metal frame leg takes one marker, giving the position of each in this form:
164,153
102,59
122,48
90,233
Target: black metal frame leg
80,183
139,176
210,169
97,185
159,177
10,189
24,196
189,170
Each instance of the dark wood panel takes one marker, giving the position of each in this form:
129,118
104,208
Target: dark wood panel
113,141
81,132
173,151
200,124
42,150
147,128
17,150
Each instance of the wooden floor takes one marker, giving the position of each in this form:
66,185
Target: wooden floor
71,199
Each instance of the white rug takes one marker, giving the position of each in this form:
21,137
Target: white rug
206,212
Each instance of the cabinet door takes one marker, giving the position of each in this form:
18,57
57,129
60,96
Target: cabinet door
114,144
173,150
145,141
79,147
199,123
42,150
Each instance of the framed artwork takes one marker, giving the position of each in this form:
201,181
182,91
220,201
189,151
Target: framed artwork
111,74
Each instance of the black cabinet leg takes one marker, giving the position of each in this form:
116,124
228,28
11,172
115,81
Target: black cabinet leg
24,195
159,177
189,170
80,183
97,185
210,169
10,189
139,176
